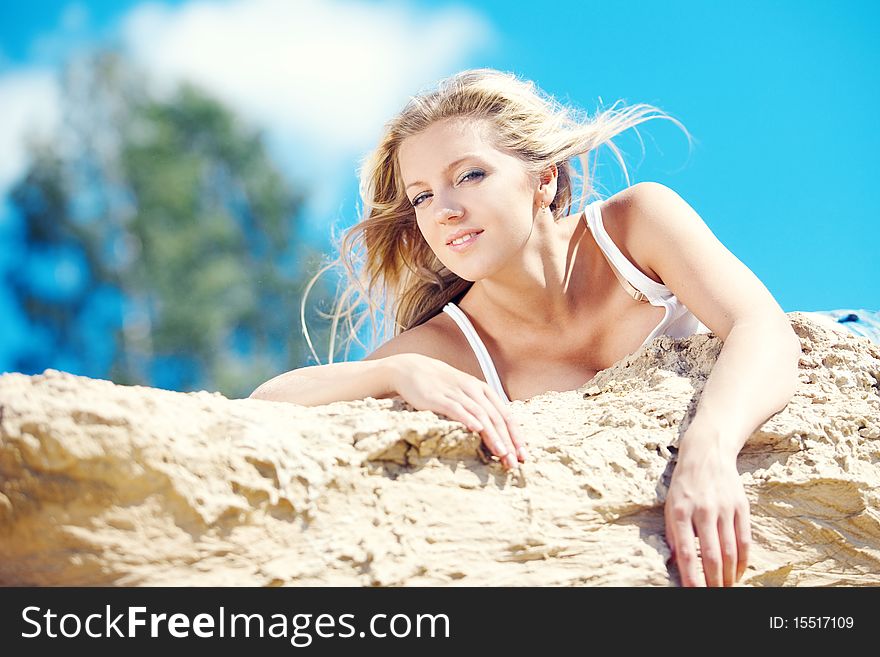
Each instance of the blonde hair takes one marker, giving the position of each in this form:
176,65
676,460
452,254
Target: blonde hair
388,265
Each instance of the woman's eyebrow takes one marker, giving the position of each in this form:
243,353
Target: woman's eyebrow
448,167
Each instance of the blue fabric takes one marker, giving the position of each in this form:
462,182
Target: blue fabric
865,323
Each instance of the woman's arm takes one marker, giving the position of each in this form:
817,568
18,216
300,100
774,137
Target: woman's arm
374,376
754,377
324,384
407,366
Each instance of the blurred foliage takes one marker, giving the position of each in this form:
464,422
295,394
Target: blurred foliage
168,201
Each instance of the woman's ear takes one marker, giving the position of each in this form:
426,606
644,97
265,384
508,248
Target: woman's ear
549,176
548,179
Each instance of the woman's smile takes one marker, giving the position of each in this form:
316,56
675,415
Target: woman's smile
465,242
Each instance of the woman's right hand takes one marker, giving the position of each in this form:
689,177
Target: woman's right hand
430,384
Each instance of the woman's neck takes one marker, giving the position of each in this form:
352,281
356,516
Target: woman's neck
549,289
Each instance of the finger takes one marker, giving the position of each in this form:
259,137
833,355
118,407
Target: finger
489,432
710,548
516,438
743,529
511,426
729,548
466,412
681,524
519,439
670,540
500,415
503,420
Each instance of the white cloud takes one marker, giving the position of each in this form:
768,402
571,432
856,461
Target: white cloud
30,109
322,76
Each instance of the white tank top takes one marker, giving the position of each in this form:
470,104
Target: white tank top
678,321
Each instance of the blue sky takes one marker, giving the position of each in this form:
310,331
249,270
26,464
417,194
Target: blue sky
780,98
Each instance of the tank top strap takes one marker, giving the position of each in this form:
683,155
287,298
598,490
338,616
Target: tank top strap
482,354
634,281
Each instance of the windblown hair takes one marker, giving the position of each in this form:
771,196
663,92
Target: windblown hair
388,264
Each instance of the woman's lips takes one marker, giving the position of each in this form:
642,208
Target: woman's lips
466,244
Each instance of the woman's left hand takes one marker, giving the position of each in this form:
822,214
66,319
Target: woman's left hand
706,499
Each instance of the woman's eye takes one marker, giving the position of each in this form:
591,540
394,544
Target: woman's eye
476,172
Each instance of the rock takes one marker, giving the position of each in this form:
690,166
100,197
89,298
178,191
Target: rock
103,484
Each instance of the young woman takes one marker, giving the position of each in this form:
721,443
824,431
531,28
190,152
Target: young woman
493,289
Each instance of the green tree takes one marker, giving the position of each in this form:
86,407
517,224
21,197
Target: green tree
176,204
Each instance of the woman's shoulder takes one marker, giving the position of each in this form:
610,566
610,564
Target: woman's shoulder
625,206
439,337
621,214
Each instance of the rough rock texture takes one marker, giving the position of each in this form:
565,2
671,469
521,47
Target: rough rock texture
110,485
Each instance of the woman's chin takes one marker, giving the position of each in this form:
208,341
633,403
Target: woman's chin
473,270
470,274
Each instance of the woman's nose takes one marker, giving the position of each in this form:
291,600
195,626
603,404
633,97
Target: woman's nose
447,210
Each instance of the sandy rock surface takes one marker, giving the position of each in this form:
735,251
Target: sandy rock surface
112,485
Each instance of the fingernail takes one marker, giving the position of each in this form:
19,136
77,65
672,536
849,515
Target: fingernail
512,462
523,453
477,427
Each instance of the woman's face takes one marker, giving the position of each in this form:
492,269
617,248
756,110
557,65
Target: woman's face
487,190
